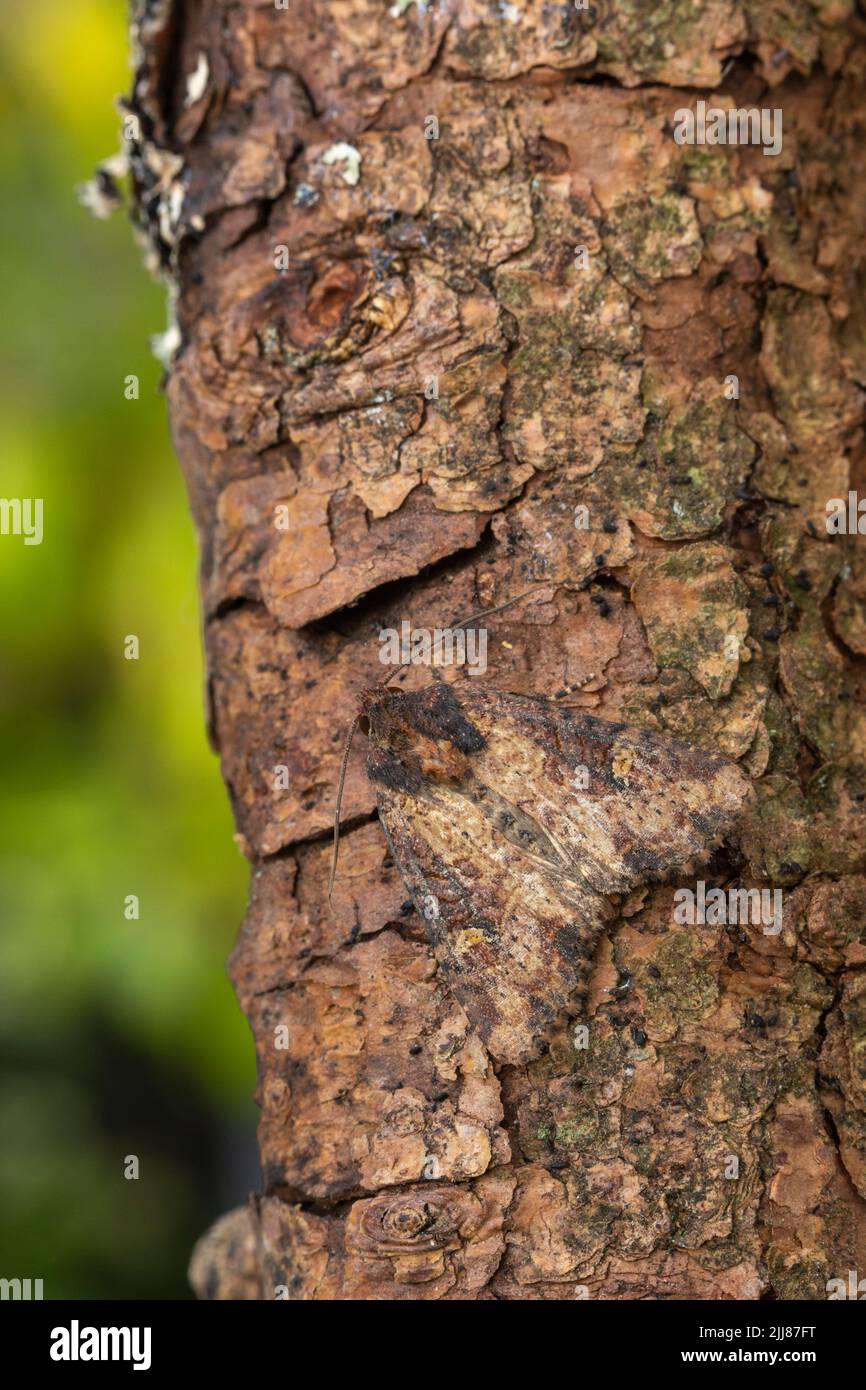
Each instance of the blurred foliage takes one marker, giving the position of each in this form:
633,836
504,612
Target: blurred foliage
117,1036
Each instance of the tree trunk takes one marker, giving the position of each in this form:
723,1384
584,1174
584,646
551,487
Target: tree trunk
461,314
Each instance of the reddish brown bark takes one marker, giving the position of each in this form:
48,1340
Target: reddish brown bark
704,599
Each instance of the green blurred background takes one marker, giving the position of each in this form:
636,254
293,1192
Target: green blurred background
118,1037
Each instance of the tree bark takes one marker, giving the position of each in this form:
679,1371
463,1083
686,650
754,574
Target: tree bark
443,278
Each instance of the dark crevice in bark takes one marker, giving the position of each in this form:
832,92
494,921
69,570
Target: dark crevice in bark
316,837
379,601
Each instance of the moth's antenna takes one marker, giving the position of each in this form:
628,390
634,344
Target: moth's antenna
473,618
509,603
392,675
340,785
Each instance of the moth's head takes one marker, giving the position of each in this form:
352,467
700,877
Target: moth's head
373,698
417,735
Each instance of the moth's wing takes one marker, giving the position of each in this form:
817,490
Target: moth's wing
625,806
515,942
509,857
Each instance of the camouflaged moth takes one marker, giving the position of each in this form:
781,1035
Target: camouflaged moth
514,867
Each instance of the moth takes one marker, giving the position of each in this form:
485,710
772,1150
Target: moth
516,823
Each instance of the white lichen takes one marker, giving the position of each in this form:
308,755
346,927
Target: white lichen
169,210
343,153
165,345
100,195
196,83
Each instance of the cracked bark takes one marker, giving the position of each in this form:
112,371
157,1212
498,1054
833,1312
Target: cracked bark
704,598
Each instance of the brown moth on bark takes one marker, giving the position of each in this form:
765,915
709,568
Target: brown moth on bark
512,821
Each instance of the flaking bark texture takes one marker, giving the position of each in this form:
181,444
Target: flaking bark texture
705,600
